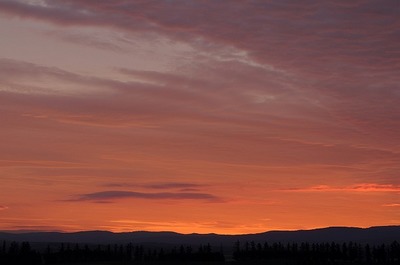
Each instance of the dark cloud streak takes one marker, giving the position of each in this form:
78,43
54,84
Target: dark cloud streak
116,195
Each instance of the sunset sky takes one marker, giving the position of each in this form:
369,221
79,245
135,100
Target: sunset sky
199,116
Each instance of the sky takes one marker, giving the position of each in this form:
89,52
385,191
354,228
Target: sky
222,117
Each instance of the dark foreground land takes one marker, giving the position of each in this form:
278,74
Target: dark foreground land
326,246
241,253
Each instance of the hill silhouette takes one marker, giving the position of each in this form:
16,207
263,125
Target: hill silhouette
372,235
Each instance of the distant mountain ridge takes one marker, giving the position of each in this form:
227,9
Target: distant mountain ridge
372,235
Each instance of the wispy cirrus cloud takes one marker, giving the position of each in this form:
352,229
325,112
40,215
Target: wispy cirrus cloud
163,99
111,195
61,15
89,39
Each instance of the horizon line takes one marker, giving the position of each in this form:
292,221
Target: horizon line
27,231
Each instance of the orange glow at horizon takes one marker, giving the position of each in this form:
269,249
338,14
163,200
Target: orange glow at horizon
197,119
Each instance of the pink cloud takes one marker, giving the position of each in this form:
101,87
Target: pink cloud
376,188
392,205
365,187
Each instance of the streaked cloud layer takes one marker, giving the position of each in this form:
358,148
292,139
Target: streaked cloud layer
274,110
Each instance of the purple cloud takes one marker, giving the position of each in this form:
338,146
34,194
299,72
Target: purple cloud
115,195
342,55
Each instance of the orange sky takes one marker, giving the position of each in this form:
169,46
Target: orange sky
192,116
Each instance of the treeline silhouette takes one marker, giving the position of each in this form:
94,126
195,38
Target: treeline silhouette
318,253
243,253
15,253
